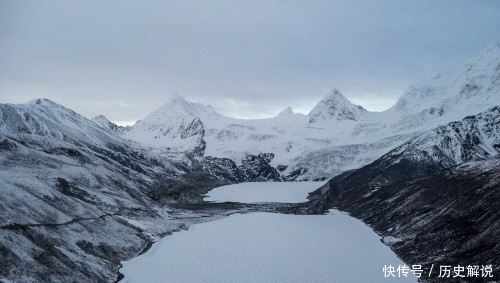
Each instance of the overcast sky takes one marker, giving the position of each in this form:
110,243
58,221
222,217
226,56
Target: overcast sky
248,59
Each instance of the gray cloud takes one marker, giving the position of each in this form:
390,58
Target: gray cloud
246,58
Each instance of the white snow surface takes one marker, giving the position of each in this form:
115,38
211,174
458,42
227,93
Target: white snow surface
251,192
266,247
334,124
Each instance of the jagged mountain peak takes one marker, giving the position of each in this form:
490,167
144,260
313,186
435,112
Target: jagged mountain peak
43,101
100,118
286,111
334,95
105,123
335,106
178,105
176,102
177,99
174,127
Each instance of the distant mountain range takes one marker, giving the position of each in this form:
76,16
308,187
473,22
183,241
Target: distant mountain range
78,196
335,136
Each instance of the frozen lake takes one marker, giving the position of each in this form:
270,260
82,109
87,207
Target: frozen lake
251,192
267,247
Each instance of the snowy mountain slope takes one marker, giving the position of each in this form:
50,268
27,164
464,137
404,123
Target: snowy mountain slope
473,138
337,134
452,95
174,127
75,199
77,196
44,118
437,193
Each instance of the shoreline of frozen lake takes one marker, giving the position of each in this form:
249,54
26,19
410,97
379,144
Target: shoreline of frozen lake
267,247
253,192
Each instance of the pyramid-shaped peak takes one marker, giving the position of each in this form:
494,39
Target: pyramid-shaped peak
104,123
177,105
100,120
286,111
335,94
176,102
335,106
176,99
44,101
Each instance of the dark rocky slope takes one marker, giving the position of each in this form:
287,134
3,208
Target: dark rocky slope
438,195
76,199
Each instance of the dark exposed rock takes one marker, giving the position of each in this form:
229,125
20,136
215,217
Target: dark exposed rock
295,173
448,217
257,168
222,168
254,168
439,194
281,168
8,145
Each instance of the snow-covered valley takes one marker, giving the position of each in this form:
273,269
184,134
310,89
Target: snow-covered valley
80,196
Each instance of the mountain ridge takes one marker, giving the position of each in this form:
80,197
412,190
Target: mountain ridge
333,125
437,194
77,197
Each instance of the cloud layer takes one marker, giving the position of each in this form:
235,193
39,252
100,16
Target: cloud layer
245,58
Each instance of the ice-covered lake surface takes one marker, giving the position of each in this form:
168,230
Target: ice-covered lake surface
252,192
267,247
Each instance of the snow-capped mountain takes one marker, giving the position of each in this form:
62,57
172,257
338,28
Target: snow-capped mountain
335,106
286,111
451,95
78,196
437,194
44,118
63,178
336,135
174,127
106,124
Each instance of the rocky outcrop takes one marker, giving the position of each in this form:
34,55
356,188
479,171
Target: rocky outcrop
76,199
254,168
